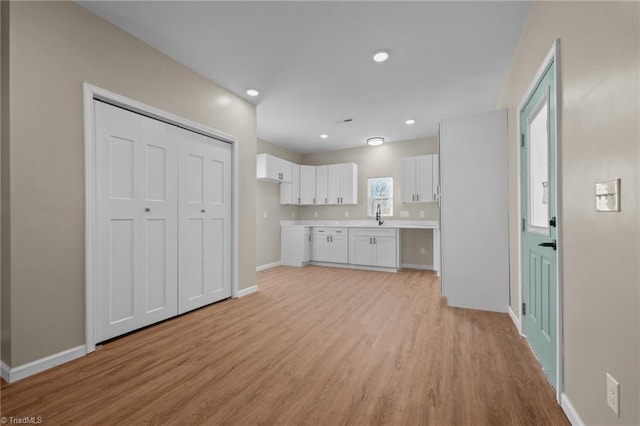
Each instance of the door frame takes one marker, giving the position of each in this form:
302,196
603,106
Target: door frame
91,93
552,55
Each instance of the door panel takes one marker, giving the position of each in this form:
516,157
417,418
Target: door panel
362,251
333,184
385,251
322,180
408,179
205,220
538,191
136,222
308,185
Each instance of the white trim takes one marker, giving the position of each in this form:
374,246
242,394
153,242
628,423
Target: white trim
89,93
414,266
14,374
552,55
570,411
5,371
267,266
515,319
350,266
247,291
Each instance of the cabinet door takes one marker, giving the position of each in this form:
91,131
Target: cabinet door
436,177
322,196
333,184
339,249
424,178
408,190
385,252
308,185
274,167
361,251
320,248
348,183
286,170
306,257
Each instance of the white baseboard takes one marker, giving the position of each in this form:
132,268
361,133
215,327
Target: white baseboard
350,266
14,374
570,411
423,267
4,371
247,291
515,320
267,266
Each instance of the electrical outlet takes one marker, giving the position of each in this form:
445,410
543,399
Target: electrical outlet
315,214
264,214
293,214
613,394
422,250
421,213
404,213
346,214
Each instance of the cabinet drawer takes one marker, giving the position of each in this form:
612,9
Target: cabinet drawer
372,232
330,230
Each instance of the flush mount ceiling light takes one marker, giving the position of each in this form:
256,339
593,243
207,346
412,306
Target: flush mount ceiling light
410,121
375,141
252,92
324,136
381,56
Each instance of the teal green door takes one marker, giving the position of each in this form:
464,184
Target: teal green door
539,221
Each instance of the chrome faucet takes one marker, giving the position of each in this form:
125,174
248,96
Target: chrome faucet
379,215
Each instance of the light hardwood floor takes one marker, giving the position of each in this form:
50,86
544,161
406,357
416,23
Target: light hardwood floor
315,345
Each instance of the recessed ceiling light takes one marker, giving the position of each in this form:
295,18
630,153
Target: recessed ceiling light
324,136
381,56
252,92
375,141
410,121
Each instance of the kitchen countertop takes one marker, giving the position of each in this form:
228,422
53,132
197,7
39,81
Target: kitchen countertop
371,223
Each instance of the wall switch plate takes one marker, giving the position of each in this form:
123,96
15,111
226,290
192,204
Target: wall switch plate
264,214
608,196
404,213
422,250
315,214
346,214
613,394
421,213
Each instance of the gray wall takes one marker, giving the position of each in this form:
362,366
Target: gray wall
268,204
54,48
599,140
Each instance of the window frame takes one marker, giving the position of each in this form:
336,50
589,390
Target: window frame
372,214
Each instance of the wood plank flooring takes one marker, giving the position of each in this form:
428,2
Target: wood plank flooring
315,346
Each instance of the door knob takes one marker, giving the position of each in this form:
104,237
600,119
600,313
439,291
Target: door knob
552,244
552,222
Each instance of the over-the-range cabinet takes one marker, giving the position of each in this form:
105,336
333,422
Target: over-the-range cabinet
474,211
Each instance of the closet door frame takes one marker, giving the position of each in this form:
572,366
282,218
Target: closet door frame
90,94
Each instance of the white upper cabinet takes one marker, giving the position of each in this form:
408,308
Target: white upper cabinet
308,185
322,197
420,179
290,192
342,184
273,169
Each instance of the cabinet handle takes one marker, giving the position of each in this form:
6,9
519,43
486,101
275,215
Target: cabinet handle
327,238
314,200
147,209
434,197
325,200
370,240
375,241
298,200
203,211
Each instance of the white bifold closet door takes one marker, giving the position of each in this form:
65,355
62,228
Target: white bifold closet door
205,221
163,212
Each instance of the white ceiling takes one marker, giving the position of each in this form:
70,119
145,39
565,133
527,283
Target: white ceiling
312,61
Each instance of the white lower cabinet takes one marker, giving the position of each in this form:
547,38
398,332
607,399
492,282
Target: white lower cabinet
374,247
295,245
329,244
